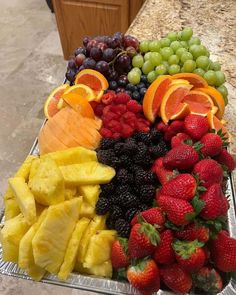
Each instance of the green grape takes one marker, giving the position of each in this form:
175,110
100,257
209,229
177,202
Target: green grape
172,36
173,59
202,62
175,45
137,61
180,51
179,35
224,91
137,70
197,50
155,45
144,46
173,69
165,63
189,66
186,34
194,41
166,52
161,70
133,77
147,56
215,66
155,58
199,72
220,78
210,77
151,76
147,67
184,44
186,56
165,42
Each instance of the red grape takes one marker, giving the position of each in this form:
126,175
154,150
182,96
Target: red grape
89,63
108,54
96,53
79,59
131,41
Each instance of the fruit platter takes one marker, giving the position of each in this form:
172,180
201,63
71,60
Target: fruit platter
128,188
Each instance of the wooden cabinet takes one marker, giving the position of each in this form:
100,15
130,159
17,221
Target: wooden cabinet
78,18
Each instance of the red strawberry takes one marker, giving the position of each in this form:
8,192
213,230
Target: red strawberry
179,139
179,212
164,253
226,159
144,276
143,240
189,254
209,172
195,126
223,252
193,232
181,157
119,253
163,174
174,128
152,215
224,205
183,186
208,280
177,279
212,144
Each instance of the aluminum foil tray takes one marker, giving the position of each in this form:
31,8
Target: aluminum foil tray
107,286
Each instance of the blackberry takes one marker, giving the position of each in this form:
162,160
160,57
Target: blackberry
126,200
123,189
144,177
110,222
147,193
106,143
122,227
156,135
105,156
143,137
118,148
102,206
143,207
158,150
125,161
144,160
130,213
130,147
124,177
116,212
107,189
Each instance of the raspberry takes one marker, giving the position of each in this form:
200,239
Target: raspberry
111,116
129,116
127,130
116,135
122,98
133,106
106,109
114,126
108,97
98,110
161,126
105,132
142,125
119,109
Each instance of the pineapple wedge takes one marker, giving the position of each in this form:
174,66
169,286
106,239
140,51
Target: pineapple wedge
72,249
87,211
34,167
47,185
90,193
11,207
51,240
99,248
87,173
24,169
10,235
36,272
73,155
24,198
101,270
70,193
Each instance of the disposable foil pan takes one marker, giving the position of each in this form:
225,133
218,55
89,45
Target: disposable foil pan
107,286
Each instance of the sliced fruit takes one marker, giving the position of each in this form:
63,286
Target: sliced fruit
81,90
217,98
87,210
50,106
179,81
90,193
154,95
172,102
11,208
182,113
217,125
194,79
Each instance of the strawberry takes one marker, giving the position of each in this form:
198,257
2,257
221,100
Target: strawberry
208,280
193,232
143,240
224,205
212,144
189,254
181,157
152,216
179,212
119,253
213,202
174,128
223,252
224,158
196,126
163,174
209,172
175,278
179,139
183,186
144,275
164,253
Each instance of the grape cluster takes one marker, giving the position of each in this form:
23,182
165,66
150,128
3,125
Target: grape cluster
109,55
177,52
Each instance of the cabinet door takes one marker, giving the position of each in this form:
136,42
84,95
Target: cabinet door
78,18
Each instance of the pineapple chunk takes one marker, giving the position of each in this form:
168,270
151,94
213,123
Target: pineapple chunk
90,193
99,248
70,193
11,207
10,235
34,167
51,239
87,173
72,249
24,198
36,272
87,210
101,270
96,224
73,155
24,170
47,185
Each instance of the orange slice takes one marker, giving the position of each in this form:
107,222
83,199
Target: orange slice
194,79
217,98
82,90
183,112
94,80
154,95
50,106
199,102
217,125
173,102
